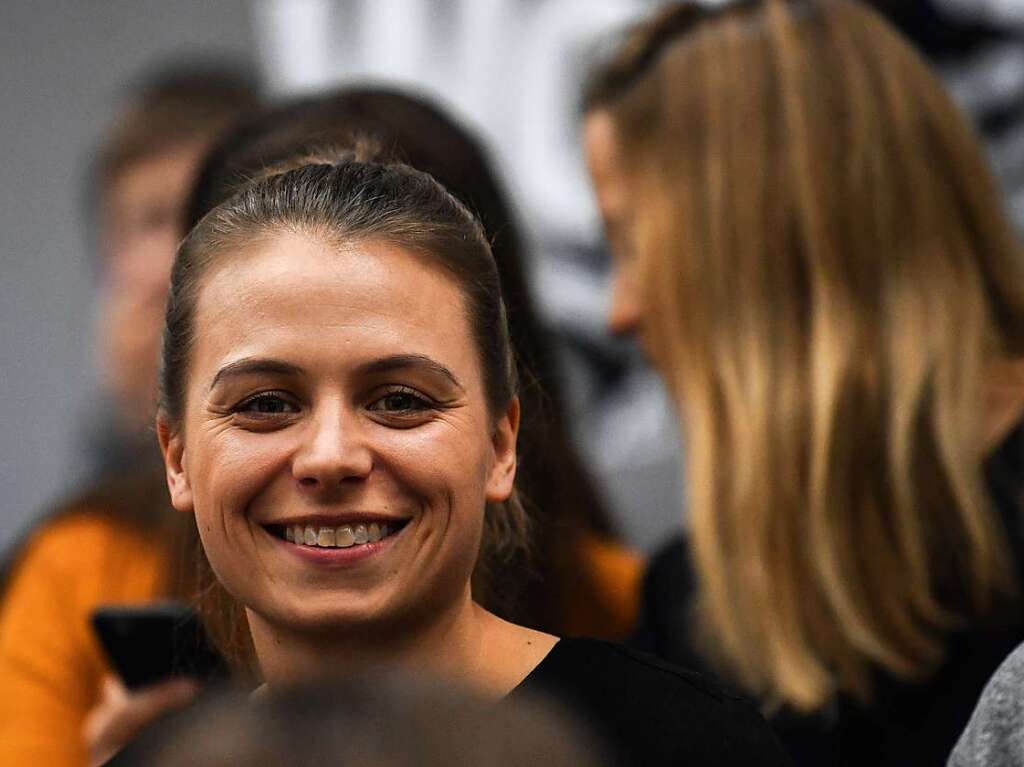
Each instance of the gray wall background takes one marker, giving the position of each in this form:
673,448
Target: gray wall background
62,64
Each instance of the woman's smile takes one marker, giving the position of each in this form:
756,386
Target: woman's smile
338,541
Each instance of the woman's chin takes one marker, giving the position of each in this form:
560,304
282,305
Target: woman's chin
318,613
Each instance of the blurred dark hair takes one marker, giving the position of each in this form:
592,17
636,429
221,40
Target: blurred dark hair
172,106
386,720
559,494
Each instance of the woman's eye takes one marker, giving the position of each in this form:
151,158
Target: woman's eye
400,402
265,404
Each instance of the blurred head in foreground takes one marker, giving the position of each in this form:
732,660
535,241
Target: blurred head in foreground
386,721
143,172
813,252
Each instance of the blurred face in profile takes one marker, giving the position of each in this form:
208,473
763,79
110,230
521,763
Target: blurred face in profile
336,444
142,211
602,155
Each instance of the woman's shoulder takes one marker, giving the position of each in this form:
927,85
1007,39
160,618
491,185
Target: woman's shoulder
653,711
995,733
577,659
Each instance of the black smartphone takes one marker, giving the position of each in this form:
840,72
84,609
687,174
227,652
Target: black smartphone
155,642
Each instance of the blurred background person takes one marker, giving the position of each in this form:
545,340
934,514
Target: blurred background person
66,72
115,540
388,720
143,173
812,251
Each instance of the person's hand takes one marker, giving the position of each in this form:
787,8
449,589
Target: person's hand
121,715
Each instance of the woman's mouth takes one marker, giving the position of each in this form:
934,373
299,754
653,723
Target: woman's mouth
341,536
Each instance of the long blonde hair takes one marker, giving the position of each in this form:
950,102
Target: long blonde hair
826,269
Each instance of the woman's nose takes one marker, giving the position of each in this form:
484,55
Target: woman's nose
333,452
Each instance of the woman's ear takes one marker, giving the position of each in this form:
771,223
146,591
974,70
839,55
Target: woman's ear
501,480
172,445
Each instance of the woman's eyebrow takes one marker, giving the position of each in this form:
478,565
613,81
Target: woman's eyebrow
406,361
254,366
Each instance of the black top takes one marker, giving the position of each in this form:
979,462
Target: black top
643,711
651,713
908,724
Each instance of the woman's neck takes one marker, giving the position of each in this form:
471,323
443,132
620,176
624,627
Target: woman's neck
467,644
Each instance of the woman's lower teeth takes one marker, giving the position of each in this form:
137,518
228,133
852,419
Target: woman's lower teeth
335,537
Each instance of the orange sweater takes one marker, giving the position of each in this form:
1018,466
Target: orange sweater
51,666
616,572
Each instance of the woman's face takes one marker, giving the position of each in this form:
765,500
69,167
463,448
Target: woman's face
601,147
336,445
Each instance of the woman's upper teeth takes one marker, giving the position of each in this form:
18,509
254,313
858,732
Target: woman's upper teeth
335,537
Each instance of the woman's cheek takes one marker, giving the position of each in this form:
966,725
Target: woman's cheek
429,445
430,468
240,466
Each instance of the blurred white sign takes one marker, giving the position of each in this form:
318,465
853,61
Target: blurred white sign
511,68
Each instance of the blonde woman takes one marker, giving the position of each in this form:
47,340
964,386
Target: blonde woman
814,255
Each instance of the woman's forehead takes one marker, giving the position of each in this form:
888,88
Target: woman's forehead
296,265
362,298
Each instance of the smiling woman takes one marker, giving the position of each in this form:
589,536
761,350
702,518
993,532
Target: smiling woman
308,385
337,409
339,412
